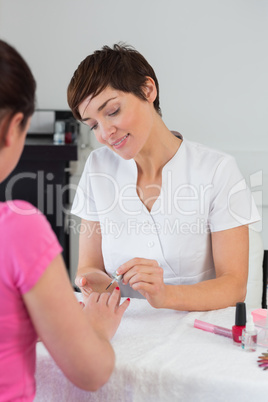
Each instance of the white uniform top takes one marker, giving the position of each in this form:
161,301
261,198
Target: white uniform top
202,191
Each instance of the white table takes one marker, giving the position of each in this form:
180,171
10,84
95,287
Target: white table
161,357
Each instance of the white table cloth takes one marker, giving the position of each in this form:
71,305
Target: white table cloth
161,357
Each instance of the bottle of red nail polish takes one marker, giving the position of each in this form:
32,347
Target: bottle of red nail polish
240,323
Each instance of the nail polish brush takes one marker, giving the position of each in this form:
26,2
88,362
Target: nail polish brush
116,278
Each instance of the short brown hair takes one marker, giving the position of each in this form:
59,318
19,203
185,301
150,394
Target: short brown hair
121,67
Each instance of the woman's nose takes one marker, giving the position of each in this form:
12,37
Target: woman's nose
107,130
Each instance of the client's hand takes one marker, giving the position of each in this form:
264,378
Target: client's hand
104,312
94,281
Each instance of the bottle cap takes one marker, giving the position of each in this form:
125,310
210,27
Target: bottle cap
117,277
250,327
59,127
240,314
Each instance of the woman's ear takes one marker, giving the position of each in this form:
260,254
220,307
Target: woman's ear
13,129
150,90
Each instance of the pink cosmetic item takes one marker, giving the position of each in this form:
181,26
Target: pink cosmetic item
215,329
259,317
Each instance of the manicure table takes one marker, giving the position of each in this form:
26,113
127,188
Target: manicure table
160,357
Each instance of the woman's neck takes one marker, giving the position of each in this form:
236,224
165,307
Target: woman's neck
159,149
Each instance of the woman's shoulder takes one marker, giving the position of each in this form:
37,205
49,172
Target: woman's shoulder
19,216
209,156
15,209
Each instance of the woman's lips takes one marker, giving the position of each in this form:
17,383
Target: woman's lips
117,144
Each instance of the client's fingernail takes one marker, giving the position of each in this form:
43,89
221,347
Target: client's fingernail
81,281
128,299
117,288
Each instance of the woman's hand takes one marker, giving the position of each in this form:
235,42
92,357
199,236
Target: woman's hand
145,276
94,281
104,312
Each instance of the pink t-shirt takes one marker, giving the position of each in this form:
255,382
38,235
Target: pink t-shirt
27,246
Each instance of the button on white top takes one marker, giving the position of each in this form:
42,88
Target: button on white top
150,243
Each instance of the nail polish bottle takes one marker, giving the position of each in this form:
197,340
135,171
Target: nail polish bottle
117,277
249,336
240,323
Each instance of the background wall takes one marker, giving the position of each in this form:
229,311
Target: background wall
210,57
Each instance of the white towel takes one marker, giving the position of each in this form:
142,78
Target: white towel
161,357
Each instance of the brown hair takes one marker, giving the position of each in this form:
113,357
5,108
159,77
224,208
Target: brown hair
17,87
121,67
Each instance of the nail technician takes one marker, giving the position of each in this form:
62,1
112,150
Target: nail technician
168,214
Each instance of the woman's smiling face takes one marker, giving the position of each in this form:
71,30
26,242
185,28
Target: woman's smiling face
120,120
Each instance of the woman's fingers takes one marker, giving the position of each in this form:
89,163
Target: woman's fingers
82,304
114,301
104,298
142,277
136,262
94,297
109,301
144,273
80,281
114,298
122,308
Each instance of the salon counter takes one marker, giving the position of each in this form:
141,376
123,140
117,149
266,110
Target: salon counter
161,357
43,148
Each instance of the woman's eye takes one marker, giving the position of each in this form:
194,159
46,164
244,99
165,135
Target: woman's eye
115,112
94,127
109,114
